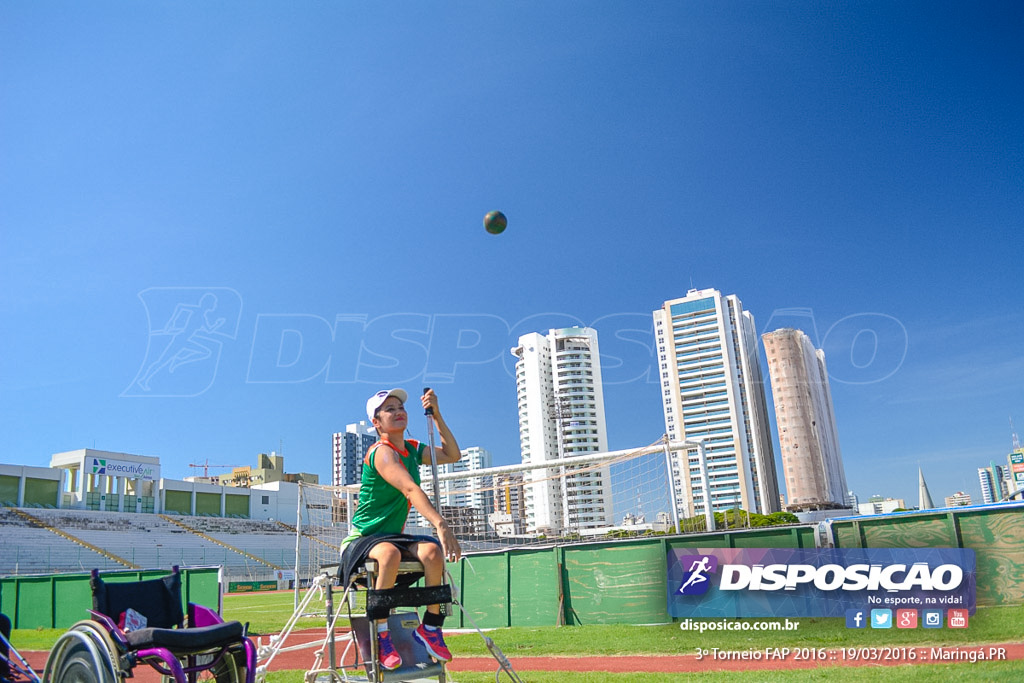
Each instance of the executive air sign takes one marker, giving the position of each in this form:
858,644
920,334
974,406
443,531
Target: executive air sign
823,582
123,468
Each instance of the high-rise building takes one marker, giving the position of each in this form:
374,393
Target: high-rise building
812,463
957,499
509,495
561,414
1015,470
471,492
471,498
350,447
993,483
508,518
712,390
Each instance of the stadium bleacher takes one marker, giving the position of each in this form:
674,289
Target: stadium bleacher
254,547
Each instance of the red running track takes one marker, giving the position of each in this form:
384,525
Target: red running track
303,660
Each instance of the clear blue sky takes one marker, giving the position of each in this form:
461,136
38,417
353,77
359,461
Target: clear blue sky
320,169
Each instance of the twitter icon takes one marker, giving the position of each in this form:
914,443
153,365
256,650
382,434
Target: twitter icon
881,618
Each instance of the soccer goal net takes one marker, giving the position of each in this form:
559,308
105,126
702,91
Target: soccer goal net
592,497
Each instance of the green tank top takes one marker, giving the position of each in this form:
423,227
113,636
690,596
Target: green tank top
383,509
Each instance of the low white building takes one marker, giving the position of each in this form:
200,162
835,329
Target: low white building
89,479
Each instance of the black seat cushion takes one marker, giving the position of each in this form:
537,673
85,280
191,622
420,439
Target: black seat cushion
189,639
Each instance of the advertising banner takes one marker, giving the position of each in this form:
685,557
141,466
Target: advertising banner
251,586
824,582
123,468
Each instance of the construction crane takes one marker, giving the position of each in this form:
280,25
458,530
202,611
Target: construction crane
206,467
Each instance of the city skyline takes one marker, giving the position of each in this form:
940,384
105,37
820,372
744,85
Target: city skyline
223,227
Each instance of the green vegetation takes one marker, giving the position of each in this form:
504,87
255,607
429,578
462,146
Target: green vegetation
988,625
738,518
268,612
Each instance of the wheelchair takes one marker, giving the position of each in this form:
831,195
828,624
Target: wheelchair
104,650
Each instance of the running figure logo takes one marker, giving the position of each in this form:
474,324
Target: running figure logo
188,327
695,580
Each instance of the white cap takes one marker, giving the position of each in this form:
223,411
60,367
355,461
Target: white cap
375,401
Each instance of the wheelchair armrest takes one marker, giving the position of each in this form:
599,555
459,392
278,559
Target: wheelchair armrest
115,632
199,616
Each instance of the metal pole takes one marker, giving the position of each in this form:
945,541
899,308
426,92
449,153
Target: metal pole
298,542
436,485
709,513
672,487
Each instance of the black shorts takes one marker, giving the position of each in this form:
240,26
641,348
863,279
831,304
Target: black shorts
359,550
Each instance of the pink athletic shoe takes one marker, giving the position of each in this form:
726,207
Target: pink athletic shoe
433,640
389,657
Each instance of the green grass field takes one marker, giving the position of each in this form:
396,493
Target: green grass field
267,612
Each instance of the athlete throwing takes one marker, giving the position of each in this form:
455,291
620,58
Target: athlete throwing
390,484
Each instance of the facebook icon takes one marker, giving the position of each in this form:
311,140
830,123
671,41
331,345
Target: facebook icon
855,618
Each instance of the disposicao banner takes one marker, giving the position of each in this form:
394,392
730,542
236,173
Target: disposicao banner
822,582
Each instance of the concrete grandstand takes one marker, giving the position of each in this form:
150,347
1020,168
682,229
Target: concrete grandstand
98,509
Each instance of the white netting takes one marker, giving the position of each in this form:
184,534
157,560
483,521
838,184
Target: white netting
606,495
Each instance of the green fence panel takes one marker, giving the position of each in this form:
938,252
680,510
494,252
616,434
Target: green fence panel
846,534
60,600
997,538
533,587
711,540
621,583
72,598
786,537
485,589
33,603
910,531
8,599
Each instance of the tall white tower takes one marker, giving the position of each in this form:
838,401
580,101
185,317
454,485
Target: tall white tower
712,390
561,414
811,458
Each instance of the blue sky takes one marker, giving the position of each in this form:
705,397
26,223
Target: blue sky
320,169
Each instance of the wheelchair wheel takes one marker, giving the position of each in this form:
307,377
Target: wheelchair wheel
231,669
78,666
84,654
